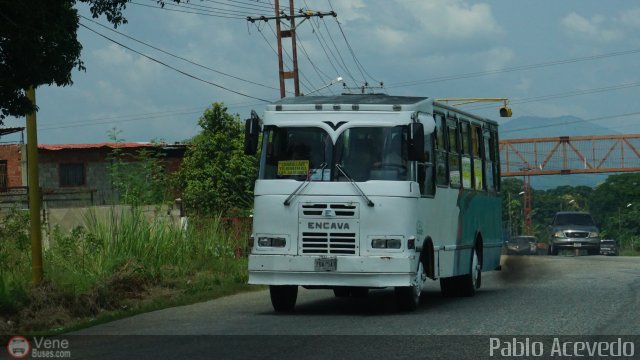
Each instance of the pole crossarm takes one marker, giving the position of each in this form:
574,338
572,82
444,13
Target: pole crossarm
570,155
283,16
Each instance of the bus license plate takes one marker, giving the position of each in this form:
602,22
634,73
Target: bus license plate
326,264
577,244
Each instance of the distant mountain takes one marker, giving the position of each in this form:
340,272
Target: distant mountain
534,127
538,127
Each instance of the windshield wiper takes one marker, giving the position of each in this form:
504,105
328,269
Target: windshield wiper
343,171
304,184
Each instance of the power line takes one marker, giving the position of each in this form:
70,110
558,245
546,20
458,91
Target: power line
511,69
564,95
186,12
319,72
309,84
327,51
138,117
353,54
339,54
179,57
173,68
272,48
198,7
574,122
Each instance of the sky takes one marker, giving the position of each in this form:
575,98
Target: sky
550,58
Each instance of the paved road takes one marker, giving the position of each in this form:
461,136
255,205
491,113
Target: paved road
532,296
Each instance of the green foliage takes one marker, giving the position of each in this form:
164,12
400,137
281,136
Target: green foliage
139,178
216,177
38,46
15,262
608,203
616,207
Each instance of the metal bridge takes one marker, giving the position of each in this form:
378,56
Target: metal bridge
570,155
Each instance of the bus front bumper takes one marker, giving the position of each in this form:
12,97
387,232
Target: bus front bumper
379,271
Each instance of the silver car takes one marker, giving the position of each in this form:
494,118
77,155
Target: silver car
572,230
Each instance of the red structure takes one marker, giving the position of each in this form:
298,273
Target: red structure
570,155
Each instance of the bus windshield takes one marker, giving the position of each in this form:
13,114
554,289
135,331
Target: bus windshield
296,153
372,153
365,153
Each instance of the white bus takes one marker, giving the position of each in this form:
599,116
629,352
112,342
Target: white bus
359,192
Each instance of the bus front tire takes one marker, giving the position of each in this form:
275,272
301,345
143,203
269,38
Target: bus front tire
283,297
408,297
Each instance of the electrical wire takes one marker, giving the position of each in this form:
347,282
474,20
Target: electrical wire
319,72
186,12
563,95
325,47
512,69
179,57
198,7
309,84
364,80
171,67
573,122
353,53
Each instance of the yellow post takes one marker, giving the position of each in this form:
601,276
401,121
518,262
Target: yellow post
34,192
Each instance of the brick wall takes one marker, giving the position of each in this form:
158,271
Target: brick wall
13,155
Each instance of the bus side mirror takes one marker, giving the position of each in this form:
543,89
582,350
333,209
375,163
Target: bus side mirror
416,142
251,134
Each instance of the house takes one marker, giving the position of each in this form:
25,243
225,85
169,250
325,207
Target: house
74,174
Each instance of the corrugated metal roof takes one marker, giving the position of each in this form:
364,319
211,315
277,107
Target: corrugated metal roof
131,145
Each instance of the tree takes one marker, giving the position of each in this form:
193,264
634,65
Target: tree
138,177
216,177
39,45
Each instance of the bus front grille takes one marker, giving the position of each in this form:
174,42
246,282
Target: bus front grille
339,210
328,243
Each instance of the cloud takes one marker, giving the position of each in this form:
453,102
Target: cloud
594,28
349,10
454,19
131,69
631,18
524,85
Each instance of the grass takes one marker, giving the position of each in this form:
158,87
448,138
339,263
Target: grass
629,252
120,262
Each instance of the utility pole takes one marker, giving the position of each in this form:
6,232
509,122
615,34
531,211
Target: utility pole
34,192
290,33
526,200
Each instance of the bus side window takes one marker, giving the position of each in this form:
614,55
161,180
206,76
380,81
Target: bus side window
467,174
442,162
476,153
489,160
454,152
426,169
496,158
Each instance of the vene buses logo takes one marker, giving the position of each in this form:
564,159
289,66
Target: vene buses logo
325,225
18,347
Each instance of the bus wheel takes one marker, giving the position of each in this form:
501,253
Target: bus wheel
470,282
408,297
283,297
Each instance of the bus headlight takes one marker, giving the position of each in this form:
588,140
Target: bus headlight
386,243
271,241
